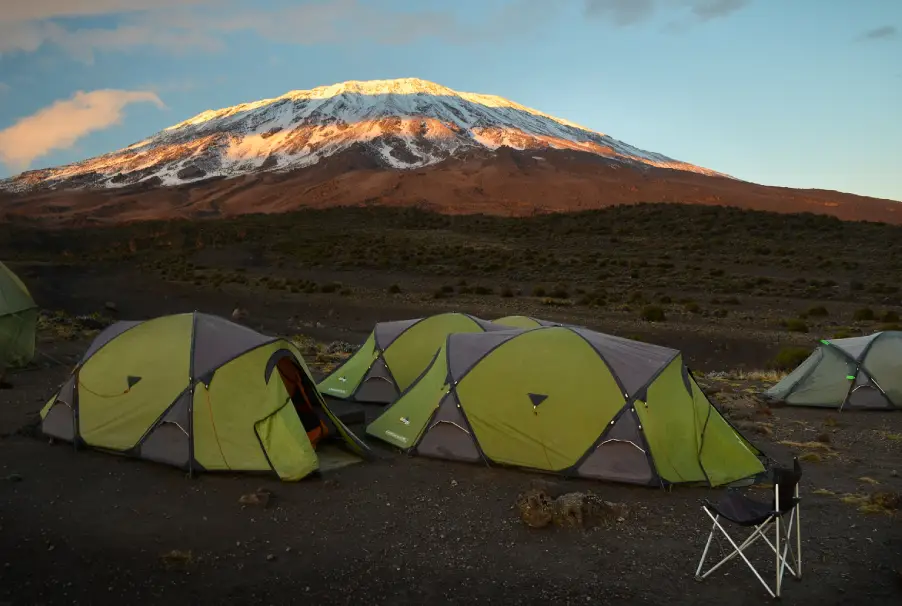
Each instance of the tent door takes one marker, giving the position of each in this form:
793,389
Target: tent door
287,448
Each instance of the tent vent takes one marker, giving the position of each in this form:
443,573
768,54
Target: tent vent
537,398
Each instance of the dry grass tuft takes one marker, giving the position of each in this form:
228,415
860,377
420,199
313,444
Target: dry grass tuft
759,427
805,445
878,502
177,558
762,376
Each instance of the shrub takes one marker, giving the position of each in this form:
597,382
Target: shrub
329,287
507,292
447,289
482,290
538,291
796,325
559,292
890,317
665,300
865,314
394,289
789,357
817,312
653,313
692,307
854,285
720,313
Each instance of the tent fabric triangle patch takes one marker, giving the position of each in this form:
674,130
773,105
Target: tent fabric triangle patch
537,398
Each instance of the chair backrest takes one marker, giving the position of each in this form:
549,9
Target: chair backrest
786,481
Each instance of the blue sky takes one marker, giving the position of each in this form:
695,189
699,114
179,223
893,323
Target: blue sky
801,93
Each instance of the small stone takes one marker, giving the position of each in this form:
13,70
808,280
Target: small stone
13,477
894,473
270,557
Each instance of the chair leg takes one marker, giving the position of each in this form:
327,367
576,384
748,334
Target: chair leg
701,562
798,515
738,551
779,567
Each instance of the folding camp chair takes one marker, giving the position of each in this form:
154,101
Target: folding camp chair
744,511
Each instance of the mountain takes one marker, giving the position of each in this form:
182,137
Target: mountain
406,141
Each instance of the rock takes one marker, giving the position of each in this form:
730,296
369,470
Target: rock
239,314
535,507
191,172
261,497
13,477
270,557
582,510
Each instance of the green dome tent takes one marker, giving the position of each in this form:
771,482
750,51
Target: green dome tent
197,392
570,401
524,322
394,355
858,373
18,320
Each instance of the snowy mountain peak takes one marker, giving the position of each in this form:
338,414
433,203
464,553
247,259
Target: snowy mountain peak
403,123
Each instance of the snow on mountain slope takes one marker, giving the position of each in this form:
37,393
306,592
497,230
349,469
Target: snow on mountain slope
405,123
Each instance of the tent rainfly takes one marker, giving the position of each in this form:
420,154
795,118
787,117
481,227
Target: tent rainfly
18,321
570,401
394,355
854,373
197,392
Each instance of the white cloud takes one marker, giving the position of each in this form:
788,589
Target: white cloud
180,26
39,10
186,27
61,124
28,25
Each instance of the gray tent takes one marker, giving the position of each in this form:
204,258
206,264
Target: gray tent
859,372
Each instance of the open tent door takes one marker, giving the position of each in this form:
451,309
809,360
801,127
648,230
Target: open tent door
311,409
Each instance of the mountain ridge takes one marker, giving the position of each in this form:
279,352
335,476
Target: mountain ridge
401,142
408,123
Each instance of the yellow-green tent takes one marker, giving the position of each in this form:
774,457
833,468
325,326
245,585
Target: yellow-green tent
18,318
395,354
198,392
570,401
524,322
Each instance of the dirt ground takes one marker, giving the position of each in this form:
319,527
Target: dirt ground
86,527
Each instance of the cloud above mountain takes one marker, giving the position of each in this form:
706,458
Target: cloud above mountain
180,26
62,124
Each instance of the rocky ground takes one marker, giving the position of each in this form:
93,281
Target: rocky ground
87,527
